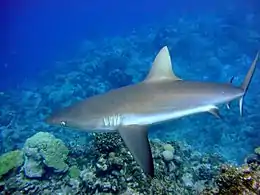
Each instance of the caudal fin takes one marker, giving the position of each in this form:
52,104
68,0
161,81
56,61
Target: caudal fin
247,81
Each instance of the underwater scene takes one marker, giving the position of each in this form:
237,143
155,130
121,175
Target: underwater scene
130,97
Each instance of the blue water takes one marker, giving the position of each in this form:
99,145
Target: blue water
43,44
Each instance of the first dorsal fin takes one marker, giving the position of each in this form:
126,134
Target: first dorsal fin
162,67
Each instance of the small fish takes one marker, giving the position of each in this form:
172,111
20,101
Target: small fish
161,97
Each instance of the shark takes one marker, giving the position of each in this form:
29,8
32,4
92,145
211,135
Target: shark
161,96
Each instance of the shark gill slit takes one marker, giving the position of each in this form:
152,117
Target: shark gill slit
112,120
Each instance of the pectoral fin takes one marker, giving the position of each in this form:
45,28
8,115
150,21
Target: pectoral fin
215,112
136,139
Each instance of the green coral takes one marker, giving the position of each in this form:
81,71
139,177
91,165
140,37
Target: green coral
257,150
53,150
10,160
74,172
168,147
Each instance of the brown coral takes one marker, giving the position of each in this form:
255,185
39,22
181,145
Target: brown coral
237,180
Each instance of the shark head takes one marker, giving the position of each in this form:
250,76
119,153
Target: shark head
72,118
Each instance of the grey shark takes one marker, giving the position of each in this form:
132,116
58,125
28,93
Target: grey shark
162,96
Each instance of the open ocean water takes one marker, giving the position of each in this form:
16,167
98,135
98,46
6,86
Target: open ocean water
55,53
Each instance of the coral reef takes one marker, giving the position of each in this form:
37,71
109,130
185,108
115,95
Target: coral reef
74,172
44,150
114,171
10,161
257,151
237,180
107,142
178,170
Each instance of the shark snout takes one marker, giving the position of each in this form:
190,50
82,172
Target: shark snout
52,120
49,120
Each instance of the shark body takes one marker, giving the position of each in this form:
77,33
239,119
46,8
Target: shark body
162,96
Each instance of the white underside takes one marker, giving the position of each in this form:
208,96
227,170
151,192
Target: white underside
142,119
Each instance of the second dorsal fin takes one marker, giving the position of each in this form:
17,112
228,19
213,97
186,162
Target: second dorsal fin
161,68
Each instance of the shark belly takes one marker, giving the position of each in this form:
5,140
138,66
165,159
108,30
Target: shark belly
157,117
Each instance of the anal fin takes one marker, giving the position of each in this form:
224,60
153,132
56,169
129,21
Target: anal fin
136,139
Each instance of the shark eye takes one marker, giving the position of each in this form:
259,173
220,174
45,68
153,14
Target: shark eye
63,123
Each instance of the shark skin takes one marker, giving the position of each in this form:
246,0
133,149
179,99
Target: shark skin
162,96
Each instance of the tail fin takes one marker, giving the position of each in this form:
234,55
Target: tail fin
247,81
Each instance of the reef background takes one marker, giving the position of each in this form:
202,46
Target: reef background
54,53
